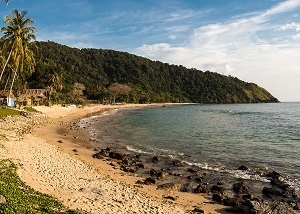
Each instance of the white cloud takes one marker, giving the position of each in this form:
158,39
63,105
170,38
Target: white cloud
242,47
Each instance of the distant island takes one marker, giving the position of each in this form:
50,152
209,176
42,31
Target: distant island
106,75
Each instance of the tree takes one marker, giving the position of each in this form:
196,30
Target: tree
55,84
117,89
16,40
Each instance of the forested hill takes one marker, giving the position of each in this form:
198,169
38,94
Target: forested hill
150,81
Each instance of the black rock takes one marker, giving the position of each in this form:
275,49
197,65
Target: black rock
116,155
177,163
220,183
199,179
235,210
140,165
60,141
189,177
201,189
192,170
198,210
155,159
271,192
170,197
150,180
241,188
217,189
274,175
217,197
243,167
153,172
232,202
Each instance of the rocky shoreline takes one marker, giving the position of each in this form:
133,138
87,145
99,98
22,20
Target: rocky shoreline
239,195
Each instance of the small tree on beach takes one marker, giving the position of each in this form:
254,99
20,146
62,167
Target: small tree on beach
117,89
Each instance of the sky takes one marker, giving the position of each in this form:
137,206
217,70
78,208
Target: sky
254,40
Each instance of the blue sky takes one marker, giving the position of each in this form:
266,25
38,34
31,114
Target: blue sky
257,41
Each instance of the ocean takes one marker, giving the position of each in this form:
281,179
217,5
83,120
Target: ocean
218,138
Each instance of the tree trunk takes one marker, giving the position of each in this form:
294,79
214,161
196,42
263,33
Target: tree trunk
10,90
6,63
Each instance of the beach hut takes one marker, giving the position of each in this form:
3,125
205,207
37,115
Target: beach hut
29,96
7,98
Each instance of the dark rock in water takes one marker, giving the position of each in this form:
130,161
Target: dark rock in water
201,189
232,202
192,170
2,199
217,189
162,175
140,165
116,155
281,184
271,192
155,159
273,175
220,183
153,172
274,207
235,210
243,167
217,197
198,210
150,180
170,197
177,163
199,179
241,188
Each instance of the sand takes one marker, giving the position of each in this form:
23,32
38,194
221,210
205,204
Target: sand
47,162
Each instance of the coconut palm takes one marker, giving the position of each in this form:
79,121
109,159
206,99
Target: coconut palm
6,1
16,43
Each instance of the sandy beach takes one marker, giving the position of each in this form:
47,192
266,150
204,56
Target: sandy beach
55,157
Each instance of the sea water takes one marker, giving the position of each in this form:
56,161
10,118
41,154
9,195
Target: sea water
216,137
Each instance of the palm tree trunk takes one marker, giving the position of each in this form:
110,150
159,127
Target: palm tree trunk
10,90
6,62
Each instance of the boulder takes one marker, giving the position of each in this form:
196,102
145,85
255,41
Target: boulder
170,197
217,189
235,210
192,170
177,163
198,210
217,197
243,167
271,192
150,180
162,175
155,159
201,189
153,172
116,155
241,188
231,202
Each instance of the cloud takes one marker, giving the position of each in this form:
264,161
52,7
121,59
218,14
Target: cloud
249,47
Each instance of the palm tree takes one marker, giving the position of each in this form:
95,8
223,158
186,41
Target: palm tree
6,1
16,41
55,84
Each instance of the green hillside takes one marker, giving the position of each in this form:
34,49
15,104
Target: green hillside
150,81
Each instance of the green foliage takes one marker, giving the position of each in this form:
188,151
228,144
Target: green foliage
21,198
150,81
30,109
5,112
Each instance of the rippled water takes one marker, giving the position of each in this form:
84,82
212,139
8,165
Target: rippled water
217,137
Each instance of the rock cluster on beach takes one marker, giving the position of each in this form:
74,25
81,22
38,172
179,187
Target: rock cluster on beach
274,198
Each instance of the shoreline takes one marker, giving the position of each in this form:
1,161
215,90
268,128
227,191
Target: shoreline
62,137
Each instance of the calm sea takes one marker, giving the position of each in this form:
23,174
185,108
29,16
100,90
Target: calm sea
215,137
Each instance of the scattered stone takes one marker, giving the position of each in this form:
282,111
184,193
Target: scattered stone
177,163
155,159
232,202
153,172
192,170
241,188
271,192
217,189
220,183
201,189
199,179
198,210
116,155
235,210
149,180
170,197
75,150
217,197
162,175
243,167
60,141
